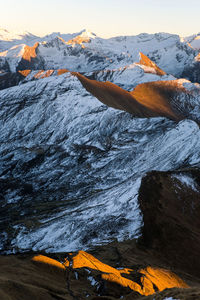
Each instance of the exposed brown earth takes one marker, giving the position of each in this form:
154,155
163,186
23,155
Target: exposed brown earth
41,277
150,99
158,96
42,73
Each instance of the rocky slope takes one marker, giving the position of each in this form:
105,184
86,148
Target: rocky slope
63,153
171,217
161,265
126,77
192,71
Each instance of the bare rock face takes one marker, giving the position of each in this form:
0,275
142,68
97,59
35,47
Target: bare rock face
171,209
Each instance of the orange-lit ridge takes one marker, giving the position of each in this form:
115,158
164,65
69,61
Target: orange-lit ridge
151,277
62,71
150,99
79,40
145,61
25,72
30,52
42,73
48,260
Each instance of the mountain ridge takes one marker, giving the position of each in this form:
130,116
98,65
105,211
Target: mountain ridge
86,52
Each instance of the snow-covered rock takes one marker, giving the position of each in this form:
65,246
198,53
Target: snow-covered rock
70,167
193,41
129,76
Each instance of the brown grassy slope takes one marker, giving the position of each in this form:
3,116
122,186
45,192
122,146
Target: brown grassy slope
151,99
21,278
40,277
158,96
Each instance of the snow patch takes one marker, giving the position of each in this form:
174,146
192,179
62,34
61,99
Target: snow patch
187,180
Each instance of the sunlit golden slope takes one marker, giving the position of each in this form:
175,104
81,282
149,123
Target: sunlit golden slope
152,279
78,40
42,73
25,73
30,52
146,100
144,60
158,96
150,99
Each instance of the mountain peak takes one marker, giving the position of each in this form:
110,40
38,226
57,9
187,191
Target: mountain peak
85,36
87,33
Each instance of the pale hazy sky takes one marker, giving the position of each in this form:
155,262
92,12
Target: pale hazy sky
104,17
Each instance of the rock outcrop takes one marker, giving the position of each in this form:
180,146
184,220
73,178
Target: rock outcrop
171,209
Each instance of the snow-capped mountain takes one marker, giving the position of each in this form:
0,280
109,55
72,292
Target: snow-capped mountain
130,76
85,52
8,39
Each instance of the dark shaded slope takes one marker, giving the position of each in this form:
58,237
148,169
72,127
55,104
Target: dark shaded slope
171,209
8,79
192,72
24,279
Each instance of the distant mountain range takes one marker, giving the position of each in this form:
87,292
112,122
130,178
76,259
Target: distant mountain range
86,52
